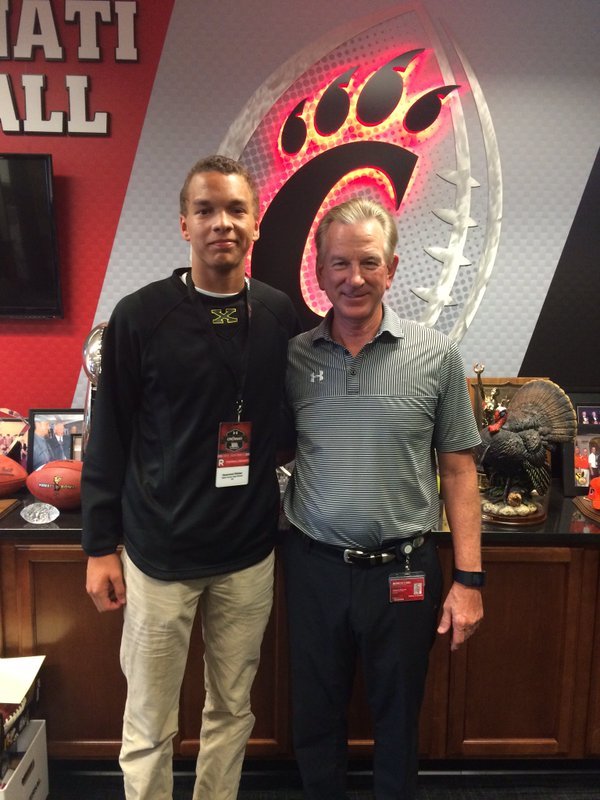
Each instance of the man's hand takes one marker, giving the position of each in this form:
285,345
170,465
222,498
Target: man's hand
462,611
104,583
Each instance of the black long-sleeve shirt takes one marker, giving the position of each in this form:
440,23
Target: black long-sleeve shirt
150,462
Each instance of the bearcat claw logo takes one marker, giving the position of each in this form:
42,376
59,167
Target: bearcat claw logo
378,103
396,126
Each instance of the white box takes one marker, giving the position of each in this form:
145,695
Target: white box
29,780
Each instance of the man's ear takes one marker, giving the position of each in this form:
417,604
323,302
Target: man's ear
256,234
392,270
184,228
319,274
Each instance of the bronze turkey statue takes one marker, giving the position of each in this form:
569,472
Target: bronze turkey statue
514,446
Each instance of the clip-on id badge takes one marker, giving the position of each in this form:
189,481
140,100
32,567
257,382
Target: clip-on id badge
407,587
233,454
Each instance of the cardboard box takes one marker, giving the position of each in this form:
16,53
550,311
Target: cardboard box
17,676
28,780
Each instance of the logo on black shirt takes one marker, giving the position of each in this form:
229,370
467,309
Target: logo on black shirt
224,316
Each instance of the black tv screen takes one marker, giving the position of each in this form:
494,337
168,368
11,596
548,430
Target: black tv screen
29,267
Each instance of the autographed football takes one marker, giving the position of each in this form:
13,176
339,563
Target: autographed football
57,483
12,476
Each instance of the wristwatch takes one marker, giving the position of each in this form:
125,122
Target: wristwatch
469,578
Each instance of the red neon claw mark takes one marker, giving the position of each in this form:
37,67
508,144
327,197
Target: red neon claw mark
332,109
426,109
293,133
383,91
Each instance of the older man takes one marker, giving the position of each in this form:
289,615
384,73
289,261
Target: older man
381,406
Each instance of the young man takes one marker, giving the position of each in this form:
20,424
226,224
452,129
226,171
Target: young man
376,399
42,451
180,467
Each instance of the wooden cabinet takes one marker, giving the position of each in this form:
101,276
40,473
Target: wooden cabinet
592,731
46,610
526,686
514,688
83,689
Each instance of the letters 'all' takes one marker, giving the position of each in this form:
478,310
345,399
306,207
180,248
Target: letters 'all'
38,120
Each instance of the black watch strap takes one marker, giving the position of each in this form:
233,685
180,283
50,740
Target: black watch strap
469,578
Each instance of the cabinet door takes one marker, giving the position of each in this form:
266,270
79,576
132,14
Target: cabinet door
514,686
593,727
82,689
270,735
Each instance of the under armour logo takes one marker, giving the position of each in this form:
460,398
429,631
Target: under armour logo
318,376
224,316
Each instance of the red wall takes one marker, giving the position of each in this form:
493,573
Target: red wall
40,360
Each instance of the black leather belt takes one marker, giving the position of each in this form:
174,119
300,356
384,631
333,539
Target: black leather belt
394,550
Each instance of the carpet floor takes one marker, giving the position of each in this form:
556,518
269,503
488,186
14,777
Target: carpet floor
75,785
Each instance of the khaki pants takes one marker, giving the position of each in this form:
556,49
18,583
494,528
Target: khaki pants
235,609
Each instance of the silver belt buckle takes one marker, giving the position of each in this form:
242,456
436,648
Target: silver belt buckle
349,552
361,555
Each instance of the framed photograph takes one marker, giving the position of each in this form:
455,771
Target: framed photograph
54,434
581,458
573,520
13,436
588,417
497,391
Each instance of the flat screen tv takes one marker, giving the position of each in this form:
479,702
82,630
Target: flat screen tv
29,267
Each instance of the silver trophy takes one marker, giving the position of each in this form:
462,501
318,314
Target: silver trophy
92,365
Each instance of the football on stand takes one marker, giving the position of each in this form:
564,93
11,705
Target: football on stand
12,476
57,483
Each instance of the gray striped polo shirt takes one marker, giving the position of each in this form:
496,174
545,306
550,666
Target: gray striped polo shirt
368,427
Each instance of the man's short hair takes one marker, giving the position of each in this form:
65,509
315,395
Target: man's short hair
359,209
224,165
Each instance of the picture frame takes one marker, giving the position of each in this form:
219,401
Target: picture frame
573,520
588,417
497,390
54,434
577,471
14,430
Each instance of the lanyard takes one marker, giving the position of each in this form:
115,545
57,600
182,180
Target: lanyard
239,377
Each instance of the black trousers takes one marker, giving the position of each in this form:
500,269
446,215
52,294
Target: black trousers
337,613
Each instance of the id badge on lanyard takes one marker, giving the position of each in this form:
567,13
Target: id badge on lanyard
233,448
233,454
